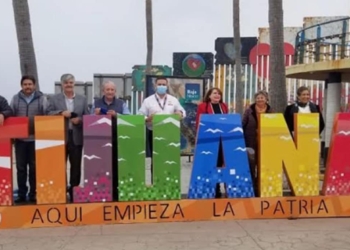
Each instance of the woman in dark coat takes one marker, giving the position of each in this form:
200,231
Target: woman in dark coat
250,128
302,105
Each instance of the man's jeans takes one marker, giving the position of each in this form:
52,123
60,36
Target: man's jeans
25,155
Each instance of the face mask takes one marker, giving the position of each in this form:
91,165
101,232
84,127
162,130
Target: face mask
161,90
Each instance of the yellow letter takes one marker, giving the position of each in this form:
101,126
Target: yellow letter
300,159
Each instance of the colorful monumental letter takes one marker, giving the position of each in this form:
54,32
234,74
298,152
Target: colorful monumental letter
50,159
97,160
13,128
300,159
227,130
166,158
337,177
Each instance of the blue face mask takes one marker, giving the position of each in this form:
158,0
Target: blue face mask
161,90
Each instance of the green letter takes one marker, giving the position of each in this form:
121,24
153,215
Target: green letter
131,158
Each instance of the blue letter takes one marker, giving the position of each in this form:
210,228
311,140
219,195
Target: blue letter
212,130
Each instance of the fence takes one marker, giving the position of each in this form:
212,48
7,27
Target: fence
324,41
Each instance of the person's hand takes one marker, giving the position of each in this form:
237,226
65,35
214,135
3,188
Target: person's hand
97,111
2,119
150,118
66,114
111,113
75,120
179,113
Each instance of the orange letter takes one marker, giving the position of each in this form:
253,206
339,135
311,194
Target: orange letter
50,159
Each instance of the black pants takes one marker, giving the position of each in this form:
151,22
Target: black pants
74,154
220,163
25,156
149,143
114,161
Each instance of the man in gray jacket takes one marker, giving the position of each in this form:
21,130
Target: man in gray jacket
29,103
72,107
5,110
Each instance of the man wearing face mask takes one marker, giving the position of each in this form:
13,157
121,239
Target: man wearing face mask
159,103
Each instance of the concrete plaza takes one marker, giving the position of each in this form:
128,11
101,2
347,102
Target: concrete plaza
303,234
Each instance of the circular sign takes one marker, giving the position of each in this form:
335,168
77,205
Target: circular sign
193,65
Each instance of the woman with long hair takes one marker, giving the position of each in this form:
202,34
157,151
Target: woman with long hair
213,104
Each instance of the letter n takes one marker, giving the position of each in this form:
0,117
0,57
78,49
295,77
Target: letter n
97,160
131,158
14,127
300,159
50,160
226,130
337,176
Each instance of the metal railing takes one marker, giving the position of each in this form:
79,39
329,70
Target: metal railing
323,42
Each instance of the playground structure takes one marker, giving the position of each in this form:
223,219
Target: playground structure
322,53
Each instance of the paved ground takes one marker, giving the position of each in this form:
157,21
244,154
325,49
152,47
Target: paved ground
311,234
303,234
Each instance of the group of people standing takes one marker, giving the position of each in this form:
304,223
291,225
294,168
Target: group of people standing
213,104
29,102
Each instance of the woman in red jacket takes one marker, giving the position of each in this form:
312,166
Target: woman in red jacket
213,104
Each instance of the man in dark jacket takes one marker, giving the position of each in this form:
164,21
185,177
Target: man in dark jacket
29,103
110,105
5,110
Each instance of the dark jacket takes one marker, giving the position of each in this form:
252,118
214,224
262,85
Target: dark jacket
5,108
294,109
250,126
57,104
36,107
117,105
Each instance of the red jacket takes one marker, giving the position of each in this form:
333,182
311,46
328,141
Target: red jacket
205,108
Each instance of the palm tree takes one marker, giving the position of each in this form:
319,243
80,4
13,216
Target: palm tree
25,40
278,90
149,30
238,61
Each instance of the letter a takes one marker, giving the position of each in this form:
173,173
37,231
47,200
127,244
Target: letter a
213,130
337,177
300,160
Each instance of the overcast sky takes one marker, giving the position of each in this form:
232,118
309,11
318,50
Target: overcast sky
84,37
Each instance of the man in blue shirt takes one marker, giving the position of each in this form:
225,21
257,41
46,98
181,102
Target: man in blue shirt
110,105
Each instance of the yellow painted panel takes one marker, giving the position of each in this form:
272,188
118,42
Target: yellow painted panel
220,77
300,159
217,76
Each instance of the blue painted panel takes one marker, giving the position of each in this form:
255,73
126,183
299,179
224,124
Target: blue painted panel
236,172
